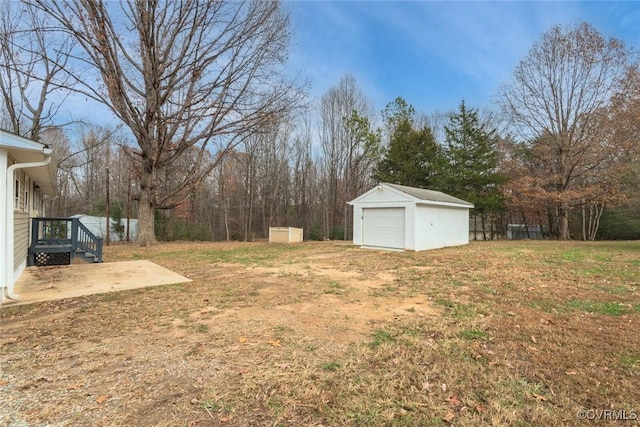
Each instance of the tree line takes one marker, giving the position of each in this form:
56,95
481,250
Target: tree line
215,142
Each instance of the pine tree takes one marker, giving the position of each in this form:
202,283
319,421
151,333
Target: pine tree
411,155
472,156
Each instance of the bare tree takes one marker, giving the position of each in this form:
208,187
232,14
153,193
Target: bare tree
556,102
183,76
32,68
340,147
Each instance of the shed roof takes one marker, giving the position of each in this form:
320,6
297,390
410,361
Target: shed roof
385,192
428,195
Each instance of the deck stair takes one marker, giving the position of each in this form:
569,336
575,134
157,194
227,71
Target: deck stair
58,241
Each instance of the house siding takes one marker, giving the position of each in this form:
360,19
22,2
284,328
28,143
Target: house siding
17,208
20,239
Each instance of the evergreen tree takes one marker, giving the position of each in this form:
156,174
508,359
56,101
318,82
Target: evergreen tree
116,220
412,154
472,156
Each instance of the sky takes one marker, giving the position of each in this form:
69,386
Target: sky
435,54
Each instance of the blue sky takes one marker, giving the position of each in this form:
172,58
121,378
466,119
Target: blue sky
435,53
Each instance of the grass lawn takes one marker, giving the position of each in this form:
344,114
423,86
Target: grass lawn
327,334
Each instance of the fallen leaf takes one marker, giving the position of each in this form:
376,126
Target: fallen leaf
450,416
454,400
101,399
75,386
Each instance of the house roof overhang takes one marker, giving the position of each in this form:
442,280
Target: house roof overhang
24,150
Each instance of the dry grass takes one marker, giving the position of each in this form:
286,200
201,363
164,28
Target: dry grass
496,333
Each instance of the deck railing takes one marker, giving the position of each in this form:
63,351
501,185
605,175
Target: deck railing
65,236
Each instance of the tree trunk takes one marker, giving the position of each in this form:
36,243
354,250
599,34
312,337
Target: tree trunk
584,221
595,213
563,223
146,221
226,218
146,207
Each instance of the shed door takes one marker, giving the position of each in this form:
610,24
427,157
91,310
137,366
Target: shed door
383,227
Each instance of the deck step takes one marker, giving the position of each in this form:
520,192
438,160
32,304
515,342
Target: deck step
56,241
89,257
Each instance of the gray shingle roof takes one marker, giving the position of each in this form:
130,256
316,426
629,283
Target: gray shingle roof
429,195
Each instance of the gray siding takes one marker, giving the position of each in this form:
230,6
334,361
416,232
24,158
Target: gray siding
20,238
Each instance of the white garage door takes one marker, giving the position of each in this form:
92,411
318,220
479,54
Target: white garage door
383,227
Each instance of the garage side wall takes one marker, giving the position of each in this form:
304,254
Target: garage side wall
441,226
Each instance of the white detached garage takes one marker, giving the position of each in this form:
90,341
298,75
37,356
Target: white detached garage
392,216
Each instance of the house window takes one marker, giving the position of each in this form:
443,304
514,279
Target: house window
34,200
16,202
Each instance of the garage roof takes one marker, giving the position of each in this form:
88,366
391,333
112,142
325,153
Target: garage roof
428,195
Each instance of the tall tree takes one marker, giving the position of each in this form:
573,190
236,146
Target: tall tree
471,171
412,155
187,76
32,68
363,152
339,147
556,101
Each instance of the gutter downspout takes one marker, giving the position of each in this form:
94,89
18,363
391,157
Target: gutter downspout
6,289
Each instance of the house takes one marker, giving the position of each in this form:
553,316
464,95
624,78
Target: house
27,173
392,216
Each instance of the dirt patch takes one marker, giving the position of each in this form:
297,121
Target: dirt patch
326,334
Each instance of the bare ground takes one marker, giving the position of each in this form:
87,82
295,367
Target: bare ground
497,333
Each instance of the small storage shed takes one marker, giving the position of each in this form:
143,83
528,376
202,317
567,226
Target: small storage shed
285,234
391,216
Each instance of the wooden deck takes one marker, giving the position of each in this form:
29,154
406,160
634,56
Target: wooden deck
57,241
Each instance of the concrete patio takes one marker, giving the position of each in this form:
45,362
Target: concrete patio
39,284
